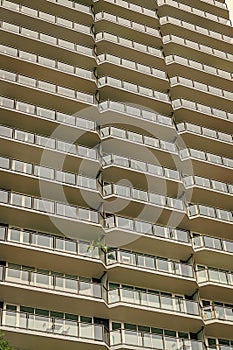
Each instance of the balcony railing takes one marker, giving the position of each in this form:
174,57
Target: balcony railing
151,340
139,138
186,153
216,312
48,39
205,132
153,300
47,62
192,181
146,197
53,325
214,276
73,5
48,142
49,207
38,240
155,52
137,112
208,242
210,212
47,114
46,17
199,66
196,46
41,172
193,10
44,86
150,263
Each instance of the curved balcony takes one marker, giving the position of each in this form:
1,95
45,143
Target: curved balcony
34,179
48,151
47,23
110,88
63,50
122,114
47,69
196,113
212,220
122,8
149,149
120,46
141,174
211,140
124,69
192,14
208,191
23,246
34,118
180,66
196,33
51,290
218,320
42,92
142,204
154,309
127,28
49,216
206,164
49,332
121,339
194,90
153,272
195,51
213,251
215,284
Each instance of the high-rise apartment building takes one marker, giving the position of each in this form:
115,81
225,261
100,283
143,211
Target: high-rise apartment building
116,174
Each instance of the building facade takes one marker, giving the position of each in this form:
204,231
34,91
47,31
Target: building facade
116,174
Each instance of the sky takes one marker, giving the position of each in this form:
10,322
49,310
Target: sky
230,7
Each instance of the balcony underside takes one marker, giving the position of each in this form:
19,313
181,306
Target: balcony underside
203,195
214,291
218,327
210,257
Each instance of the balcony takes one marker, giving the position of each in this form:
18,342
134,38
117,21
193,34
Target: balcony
49,216
194,15
211,140
149,149
149,271
218,320
48,151
122,114
133,202
121,339
208,191
47,23
122,8
197,33
43,93
141,174
47,69
21,328
36,179
122,68
43,250
215,284
180,66
205,164
110,88
212,220
127,28
204,115
63,50
119,46
197,52
34,118
194,90
154,309
213,251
